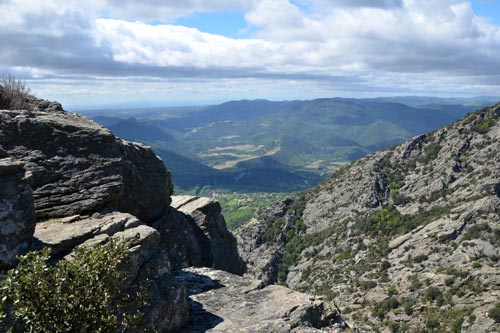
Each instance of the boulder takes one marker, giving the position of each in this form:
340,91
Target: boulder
217,245
17,214
79,167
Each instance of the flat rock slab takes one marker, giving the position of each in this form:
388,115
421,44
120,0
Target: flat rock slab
188,204
224,302
63,237
180,200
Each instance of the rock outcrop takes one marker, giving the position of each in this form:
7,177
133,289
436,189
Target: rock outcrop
405,239
218,248
17,213
224,302
79,167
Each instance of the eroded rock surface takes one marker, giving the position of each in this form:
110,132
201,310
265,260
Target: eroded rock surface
224,302
79,167
17,213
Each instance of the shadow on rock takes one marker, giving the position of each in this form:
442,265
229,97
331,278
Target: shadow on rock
200,319
196,283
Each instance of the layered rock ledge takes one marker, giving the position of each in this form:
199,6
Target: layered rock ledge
79,167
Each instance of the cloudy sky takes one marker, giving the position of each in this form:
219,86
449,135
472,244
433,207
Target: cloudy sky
180,52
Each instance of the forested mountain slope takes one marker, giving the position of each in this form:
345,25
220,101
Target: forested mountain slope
307,140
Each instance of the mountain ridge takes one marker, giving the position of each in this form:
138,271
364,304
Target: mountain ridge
304,136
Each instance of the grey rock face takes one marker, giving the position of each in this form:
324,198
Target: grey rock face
17,213
178,239
78,167
223,302
263,258
217,245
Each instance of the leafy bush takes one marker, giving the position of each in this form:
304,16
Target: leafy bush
420,258
476,231
83,294
483,126
13,93
415,284
433,294
380,309
431,151
494,313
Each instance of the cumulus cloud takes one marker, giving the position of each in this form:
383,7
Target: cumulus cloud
358,44
168,45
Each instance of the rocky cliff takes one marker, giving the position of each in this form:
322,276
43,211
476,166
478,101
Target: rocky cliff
79,167
88,186
405,239
17,213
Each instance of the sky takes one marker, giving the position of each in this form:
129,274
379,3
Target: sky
113,53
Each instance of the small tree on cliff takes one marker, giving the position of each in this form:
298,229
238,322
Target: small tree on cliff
83,294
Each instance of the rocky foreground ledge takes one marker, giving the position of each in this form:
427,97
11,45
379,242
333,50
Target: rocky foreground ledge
199,299
223,302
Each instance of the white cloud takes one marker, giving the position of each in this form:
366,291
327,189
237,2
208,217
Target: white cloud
168,45
410,45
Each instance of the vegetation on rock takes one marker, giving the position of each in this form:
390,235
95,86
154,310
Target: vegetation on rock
82,294
13,93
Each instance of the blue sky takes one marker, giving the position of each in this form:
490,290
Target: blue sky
488,8
226,23
124,52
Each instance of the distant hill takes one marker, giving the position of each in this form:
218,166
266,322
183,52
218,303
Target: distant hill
259,175
135,130
419,101
310,138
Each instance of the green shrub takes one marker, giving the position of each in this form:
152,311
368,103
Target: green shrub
432,324
433,294
380,309
476,231
494,313
385,265
449,281
483,126
431,151
415,284
84,294
420,258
